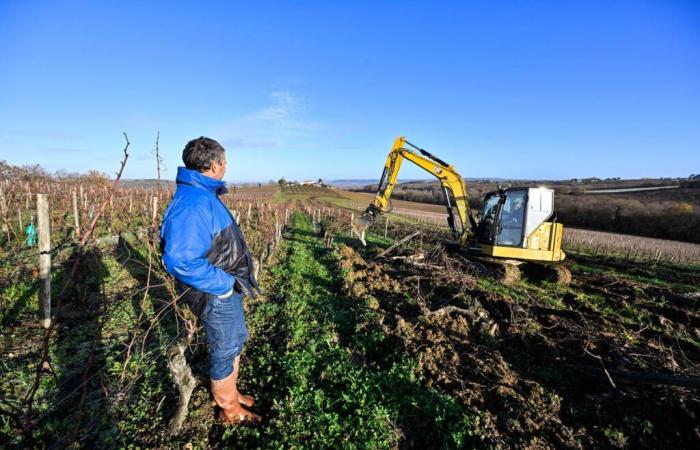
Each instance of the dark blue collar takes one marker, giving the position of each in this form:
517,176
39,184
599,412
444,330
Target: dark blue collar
196,179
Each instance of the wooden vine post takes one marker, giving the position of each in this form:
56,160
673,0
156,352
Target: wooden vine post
76,216
3,210
44,231
155,210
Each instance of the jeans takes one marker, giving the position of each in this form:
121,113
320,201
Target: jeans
224,322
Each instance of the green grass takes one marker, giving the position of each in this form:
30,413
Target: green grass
332,377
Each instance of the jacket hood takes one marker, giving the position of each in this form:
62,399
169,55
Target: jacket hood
198,180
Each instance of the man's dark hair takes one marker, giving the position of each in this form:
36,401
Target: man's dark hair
199,153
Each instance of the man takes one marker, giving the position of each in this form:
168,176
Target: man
204,249
516,213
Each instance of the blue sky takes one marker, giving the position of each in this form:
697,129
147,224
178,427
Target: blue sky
516,89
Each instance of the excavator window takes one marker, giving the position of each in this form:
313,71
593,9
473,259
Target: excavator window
512,219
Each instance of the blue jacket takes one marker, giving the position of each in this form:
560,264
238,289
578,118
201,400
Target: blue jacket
202,245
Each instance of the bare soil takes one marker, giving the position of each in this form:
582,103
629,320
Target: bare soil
585,366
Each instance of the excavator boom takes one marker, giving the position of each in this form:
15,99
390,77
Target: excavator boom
451,182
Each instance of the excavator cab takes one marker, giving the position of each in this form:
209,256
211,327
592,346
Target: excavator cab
518,223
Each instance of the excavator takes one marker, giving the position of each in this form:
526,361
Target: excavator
517,225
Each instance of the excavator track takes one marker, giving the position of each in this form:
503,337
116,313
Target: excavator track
510,272
555,273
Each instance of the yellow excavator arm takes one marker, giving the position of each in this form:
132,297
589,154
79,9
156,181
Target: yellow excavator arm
451,182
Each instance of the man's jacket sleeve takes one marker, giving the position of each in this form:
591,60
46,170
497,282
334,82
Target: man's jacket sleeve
188,237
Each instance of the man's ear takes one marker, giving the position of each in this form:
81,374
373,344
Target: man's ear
217,167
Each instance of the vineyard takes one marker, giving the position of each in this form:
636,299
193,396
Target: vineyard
349,347
255,193
309,193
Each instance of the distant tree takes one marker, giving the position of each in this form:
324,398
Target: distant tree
29,172
320,181
282,182
95,176
6,170
63,174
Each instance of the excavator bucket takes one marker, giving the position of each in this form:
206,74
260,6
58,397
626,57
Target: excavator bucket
359,226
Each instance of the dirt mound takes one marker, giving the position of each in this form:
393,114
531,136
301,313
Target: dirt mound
360,279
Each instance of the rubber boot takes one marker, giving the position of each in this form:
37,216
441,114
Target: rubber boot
226,396
245,400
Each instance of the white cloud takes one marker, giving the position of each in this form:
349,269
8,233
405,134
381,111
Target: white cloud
278,125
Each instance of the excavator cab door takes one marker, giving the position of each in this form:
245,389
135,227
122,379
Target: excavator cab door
511,224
